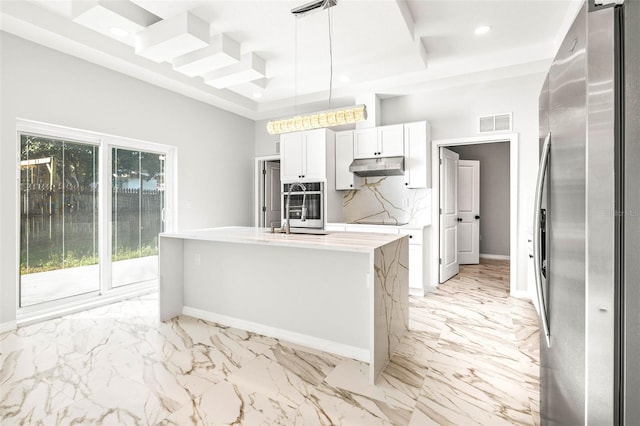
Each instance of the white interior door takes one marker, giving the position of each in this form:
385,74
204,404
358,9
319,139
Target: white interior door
469,212
449,265
272,202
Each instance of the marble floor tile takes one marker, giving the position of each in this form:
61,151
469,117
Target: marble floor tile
471,356
399,385
123,402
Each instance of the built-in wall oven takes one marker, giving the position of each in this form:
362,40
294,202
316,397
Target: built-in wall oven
307,215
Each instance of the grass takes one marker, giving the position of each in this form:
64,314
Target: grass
55,261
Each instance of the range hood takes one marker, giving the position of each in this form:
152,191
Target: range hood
385,166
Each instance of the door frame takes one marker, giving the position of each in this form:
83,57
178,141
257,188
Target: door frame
104,142
258,181
514,182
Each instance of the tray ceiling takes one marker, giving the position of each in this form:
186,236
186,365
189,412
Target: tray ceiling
255,58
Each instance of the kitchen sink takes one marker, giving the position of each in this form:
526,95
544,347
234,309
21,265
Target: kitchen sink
305,231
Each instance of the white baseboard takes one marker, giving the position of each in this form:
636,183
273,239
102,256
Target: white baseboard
418,292
278,333
521,294
495,256
7,326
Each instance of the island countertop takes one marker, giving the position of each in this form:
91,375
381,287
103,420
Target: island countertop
340,241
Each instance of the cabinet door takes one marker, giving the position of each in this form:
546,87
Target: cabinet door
344,156
415,269
314,155
417,155
391,141
291,154
365,143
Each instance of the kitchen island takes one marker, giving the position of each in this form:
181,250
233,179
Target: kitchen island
344,293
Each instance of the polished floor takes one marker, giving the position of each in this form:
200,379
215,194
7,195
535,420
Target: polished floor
471,357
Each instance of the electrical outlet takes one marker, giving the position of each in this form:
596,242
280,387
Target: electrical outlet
405,202
197,259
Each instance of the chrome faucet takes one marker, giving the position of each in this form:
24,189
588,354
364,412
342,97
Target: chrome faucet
303,208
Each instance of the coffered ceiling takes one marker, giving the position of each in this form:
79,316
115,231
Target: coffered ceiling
255,58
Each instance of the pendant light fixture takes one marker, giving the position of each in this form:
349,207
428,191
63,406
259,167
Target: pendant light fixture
331,117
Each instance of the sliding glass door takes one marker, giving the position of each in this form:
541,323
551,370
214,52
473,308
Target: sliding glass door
91,209
137,210
58,219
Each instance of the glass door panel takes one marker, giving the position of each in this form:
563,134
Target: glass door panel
137,215
58,219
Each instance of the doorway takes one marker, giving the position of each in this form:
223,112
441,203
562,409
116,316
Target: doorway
91,208
268,200
512,140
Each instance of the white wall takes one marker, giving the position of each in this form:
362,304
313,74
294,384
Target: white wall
215,147
452,112
265,144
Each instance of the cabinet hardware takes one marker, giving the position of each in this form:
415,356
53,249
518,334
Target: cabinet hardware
477,217
459,219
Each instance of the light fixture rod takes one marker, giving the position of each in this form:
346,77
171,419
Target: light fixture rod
317,4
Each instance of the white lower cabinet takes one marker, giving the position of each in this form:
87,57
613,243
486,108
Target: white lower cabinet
419,249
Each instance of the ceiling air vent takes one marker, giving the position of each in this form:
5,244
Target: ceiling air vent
494,123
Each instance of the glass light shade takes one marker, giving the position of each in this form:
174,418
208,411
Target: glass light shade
334,117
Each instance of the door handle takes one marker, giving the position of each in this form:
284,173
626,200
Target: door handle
459,219
537,222
477,217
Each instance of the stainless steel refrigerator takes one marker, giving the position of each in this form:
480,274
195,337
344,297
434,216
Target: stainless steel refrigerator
587,222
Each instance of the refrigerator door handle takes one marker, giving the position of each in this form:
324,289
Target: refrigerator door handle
537,215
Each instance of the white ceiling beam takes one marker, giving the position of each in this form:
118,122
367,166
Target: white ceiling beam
409,22
422,51
221,52
103,15
251,67
175,36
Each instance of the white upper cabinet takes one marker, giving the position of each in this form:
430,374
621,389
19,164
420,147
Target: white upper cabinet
303,156
417,155
291,156
385,141
391,141
345,180
365,143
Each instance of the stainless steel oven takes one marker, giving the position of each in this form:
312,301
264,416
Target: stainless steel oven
306,204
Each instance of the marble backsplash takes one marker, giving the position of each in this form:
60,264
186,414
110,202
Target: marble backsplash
385,199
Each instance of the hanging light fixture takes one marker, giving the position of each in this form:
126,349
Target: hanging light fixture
331,117
316,120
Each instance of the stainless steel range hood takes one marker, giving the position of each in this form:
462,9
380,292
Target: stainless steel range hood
386,166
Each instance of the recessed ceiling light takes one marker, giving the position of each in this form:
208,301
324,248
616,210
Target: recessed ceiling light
257,95
345,78
483,29
118,32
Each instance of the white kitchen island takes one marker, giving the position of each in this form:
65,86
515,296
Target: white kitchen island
344,293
